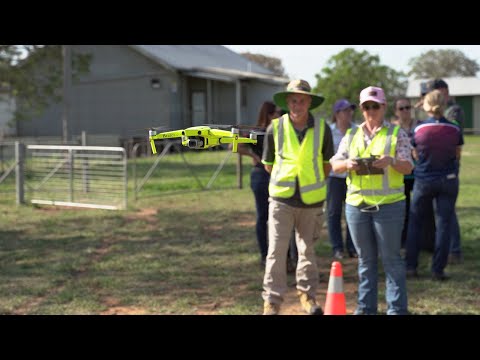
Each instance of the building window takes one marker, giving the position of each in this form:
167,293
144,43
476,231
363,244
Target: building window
199,109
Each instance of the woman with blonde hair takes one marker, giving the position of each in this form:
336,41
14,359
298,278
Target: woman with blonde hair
437,143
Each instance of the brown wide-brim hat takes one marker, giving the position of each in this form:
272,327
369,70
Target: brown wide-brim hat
297,87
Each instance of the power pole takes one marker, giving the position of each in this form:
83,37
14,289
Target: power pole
67,78
238,111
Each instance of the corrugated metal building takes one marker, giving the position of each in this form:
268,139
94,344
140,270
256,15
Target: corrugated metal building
7,108
464,90
138,86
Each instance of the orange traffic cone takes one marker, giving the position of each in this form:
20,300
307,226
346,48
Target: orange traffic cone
335,303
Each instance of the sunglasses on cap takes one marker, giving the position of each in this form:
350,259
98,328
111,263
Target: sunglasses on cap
374,106
408,107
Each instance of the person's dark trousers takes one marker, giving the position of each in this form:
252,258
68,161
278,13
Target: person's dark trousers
336,191
455,247
259,180
408,184
428,229
428,233
445,192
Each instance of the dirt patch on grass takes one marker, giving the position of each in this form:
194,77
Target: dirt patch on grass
146,214
208,309
213,228
114,308
291,304
124,310
57,208
245,221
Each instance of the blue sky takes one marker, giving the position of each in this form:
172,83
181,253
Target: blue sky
304,61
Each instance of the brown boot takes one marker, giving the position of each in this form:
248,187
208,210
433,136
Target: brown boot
270,308
309,304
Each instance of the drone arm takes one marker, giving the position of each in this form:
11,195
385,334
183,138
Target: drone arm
151,136
165,135
230,140
246,141
152,145
168,135
235,141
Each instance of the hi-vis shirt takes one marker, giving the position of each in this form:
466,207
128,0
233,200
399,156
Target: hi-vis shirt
374,189
309,195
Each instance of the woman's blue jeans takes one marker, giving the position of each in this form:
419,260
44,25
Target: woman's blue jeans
444,191
379,234
259,180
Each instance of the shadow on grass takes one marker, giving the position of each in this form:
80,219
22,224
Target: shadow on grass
156,191
178,259
161,263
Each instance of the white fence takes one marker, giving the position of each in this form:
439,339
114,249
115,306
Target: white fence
81,176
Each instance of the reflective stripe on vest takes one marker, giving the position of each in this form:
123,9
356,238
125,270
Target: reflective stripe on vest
279,148
284,173
391,188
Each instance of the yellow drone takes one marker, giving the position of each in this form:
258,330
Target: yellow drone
204,137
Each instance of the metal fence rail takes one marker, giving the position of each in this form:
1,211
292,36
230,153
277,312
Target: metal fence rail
7,172
82,176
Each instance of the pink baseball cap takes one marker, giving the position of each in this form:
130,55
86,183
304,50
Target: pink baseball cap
372,93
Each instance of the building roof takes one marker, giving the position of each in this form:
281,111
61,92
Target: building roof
457,86
229,74
209,61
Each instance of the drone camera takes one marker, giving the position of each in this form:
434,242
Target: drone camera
195,143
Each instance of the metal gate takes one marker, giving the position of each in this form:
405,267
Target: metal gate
81,176
8,166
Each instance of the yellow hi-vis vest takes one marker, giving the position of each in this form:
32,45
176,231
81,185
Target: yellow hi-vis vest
294,160
374,189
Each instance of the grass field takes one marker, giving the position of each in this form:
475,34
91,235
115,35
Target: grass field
179,249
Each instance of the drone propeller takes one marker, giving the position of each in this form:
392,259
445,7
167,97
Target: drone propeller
249,127
218,126
152,128
235,126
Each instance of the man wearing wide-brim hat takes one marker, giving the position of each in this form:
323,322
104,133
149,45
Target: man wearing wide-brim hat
297,87
296,153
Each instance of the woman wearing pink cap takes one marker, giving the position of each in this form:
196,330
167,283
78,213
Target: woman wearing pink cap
376,155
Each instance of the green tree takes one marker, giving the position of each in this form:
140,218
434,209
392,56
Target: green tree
33,74
348,72
271,63
442,63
